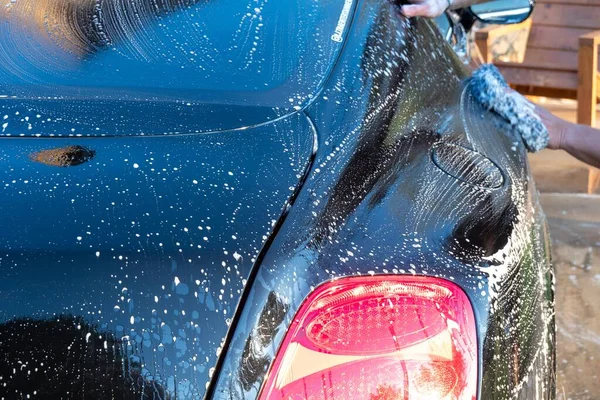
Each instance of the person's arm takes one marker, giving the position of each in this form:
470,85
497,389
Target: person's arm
580,141
434,8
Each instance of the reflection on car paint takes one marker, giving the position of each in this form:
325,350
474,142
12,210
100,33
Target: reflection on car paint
64,157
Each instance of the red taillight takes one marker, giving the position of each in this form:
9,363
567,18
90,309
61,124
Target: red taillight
379,338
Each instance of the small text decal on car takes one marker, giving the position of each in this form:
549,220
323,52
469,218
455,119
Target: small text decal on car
339,29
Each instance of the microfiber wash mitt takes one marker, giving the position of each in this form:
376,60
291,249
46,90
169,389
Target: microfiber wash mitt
491,90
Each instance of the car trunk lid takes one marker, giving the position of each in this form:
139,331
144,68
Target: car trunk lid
129,255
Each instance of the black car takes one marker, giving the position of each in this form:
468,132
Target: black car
261,199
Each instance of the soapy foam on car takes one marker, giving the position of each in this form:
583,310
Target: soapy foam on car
491,90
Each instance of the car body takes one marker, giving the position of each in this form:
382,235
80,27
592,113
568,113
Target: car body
169,206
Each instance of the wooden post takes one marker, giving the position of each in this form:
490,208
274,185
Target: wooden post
587,91
587,84
482,42
593,180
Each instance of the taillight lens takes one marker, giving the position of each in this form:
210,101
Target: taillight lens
379,338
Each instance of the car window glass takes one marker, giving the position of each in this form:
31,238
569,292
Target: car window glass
151,48
443,24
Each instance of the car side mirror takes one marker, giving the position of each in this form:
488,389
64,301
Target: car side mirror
503,12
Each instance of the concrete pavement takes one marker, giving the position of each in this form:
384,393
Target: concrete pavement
574,221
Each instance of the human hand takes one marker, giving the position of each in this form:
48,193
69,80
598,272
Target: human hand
557,128
425,8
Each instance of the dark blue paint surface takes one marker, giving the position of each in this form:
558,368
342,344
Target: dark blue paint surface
152,240
376,202
218,194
